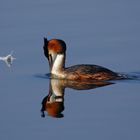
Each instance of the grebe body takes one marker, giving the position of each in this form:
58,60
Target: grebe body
55,51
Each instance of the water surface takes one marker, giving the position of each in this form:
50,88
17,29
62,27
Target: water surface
96,32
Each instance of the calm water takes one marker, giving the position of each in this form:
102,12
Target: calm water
97,32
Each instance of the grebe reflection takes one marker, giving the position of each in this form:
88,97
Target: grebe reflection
53,103
55,51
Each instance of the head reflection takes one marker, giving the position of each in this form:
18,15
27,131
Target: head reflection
53,103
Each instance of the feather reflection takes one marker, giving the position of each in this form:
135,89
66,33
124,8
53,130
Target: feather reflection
53,103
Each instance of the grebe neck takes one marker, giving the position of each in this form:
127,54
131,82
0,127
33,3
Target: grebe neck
58,64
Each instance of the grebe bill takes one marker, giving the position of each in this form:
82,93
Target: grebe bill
55,51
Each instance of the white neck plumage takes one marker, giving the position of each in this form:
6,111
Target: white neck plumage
58,64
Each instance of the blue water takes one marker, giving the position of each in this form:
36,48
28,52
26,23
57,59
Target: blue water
96,32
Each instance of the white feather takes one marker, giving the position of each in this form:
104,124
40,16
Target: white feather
57,65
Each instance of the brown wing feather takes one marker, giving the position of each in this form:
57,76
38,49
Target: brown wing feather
92,72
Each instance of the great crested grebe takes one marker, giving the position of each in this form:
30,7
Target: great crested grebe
55,51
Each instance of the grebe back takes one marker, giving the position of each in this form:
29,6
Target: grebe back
55,51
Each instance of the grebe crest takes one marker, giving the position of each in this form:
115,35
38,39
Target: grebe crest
55,51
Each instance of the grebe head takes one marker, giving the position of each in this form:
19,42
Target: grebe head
54,48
